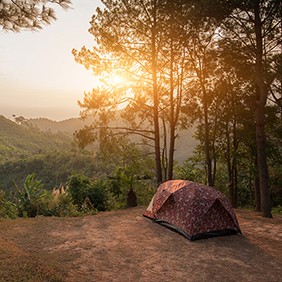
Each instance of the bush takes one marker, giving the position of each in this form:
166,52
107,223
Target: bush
7,208
88,195
145,191
32,198
99,195
277,210
62,205
192,169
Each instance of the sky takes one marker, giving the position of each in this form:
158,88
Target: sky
38,74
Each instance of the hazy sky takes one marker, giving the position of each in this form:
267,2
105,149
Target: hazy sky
38,74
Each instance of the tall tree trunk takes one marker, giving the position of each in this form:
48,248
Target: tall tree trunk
260,116
172,118
235,152
229,165
164,150
207,141
262,163
231,159
213,148
257,192
156,98
234,183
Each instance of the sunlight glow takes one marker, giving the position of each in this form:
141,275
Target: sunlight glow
117,80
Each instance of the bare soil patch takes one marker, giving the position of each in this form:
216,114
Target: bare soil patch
124,246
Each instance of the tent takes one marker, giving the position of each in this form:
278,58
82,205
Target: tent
192,209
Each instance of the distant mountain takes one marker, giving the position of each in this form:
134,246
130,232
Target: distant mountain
185,143
46,149
68,126
17,141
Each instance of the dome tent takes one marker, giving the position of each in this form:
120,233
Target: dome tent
192,209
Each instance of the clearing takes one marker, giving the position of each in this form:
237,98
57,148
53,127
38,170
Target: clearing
124,246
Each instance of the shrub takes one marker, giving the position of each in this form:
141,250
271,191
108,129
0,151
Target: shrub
277,210
145,191
7,208
33,199
88,195
99,195
62,206
192,169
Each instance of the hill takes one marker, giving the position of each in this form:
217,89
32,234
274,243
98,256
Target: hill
45,148
124,246
68,126
185,143
53,169
17,141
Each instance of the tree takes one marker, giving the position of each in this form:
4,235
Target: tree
133,172
200,48
257,25
22,121
232,92
198,33
131,41
127,36
16,15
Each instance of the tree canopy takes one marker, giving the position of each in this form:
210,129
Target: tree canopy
17,15
213,63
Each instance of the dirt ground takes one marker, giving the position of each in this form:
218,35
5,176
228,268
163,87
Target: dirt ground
124,246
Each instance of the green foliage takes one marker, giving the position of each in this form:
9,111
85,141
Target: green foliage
125,167
100,195
88,195
32,200
131,179
275,174
32,197
20,15
213,78
192,169
62,206
145,189
7,208
78,187
277,210
53,169
18,141
129,167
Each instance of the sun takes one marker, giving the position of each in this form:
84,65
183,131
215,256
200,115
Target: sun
114,80
117,80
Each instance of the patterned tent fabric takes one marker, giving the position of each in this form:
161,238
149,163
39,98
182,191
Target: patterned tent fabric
195,210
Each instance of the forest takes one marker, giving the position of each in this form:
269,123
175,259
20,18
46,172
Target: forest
164,67
216,64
